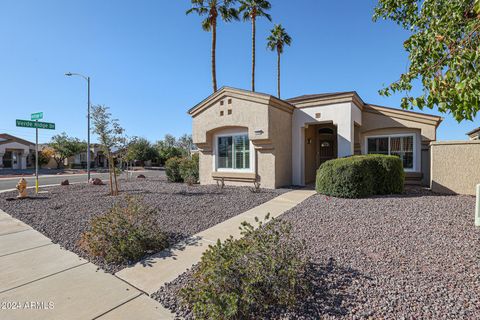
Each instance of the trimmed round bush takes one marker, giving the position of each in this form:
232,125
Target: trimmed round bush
361,176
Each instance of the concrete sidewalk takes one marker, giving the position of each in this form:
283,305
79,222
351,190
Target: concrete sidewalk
152,273
39,280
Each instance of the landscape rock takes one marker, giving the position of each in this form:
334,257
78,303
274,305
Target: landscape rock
65,182
141,176
96,182
410,256
67,213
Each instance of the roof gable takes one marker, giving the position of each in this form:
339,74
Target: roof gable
7,138
240,94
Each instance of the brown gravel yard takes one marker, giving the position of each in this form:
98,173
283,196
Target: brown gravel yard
413,256
64,212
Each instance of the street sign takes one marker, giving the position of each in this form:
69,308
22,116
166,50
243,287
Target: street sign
37,116
35,124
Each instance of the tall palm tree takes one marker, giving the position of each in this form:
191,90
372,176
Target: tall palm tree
212,9
252,9
277,40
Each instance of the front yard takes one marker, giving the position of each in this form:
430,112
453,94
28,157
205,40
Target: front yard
406,256
64,212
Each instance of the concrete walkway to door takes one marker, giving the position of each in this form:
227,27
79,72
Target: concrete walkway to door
39,280
152,273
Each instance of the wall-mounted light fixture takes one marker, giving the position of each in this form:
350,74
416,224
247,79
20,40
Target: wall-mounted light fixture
258,132
309,140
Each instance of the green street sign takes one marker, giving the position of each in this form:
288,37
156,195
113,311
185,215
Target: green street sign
35,124
37,116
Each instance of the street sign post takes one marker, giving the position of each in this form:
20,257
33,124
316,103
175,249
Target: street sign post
37,116
37,125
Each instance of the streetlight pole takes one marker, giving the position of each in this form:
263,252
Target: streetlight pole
69,74
88,128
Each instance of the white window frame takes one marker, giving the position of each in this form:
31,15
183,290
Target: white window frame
215,153
415,151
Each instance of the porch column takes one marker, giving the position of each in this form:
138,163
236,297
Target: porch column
298,156
345,138
23,161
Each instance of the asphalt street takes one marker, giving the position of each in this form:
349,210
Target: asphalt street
7,183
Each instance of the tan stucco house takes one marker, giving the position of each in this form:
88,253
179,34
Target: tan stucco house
15,153
246,136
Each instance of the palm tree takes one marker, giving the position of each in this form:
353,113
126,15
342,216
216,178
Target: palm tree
277,40
212,9
251,10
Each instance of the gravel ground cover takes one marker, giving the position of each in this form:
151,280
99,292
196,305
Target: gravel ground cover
413,256
64,212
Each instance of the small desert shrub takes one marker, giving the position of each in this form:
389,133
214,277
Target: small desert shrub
189,169
172,169
361,176
245,278
125,234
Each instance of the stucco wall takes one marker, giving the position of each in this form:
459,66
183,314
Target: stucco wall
281,136
268,128
455,166
249,114
375,120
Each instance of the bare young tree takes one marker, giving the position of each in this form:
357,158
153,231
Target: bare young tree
111,137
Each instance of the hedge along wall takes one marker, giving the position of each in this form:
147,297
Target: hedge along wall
361,176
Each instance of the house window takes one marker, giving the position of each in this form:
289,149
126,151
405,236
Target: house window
401,146
233,152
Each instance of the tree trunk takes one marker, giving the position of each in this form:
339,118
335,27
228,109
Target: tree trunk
253,53
278,73
59,162
110,174
214,49
115,177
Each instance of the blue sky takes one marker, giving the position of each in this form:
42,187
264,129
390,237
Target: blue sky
150,63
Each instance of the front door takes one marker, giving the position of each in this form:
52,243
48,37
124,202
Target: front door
325,149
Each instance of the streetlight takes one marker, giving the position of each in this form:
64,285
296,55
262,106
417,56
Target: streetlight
69,74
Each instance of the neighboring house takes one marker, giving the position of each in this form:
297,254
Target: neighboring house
15,153
79,161
245,136
474,134
98,159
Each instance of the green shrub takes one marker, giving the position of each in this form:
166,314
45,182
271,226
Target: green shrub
189,169
361,176
125,234
172,169
245,278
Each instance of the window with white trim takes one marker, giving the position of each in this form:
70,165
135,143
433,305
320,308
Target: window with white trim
401,146
233,152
